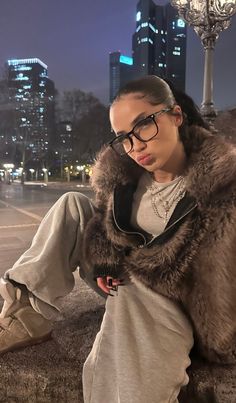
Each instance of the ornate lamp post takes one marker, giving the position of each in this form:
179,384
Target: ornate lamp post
208,18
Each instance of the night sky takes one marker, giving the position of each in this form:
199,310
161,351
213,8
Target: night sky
74,38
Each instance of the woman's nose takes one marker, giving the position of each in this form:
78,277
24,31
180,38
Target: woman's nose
138,145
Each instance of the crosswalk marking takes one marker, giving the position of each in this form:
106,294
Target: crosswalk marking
18,226
32,215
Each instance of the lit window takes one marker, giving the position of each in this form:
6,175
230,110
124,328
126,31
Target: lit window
138,16
152,27
126,60
21,77
180,23
68,128
150,40
22,68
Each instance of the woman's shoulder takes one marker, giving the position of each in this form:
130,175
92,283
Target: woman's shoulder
110,169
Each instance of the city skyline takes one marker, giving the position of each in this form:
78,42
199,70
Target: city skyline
75,38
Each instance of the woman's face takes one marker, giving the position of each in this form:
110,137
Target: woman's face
161,153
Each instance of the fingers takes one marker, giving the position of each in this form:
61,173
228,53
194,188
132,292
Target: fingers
114,281
102,283
108,284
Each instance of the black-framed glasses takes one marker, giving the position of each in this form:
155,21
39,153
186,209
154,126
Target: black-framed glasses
145,130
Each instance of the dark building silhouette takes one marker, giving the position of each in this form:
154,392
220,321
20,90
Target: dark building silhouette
65,140
32,93
121,71
159,43
158,47
176,40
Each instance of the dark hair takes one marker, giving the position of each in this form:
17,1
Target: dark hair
160,91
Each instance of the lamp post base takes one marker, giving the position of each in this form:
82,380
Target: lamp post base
209,113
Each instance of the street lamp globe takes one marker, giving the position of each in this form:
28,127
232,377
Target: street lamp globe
208,18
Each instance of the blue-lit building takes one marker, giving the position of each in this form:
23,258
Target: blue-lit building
32,94
159,43
121,71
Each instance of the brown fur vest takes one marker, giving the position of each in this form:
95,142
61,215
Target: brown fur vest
197,264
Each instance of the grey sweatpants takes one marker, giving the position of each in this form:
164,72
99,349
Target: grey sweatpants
142,350
46,267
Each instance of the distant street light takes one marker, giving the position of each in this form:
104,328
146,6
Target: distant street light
208,18
32,171
45,175
67,171
8,171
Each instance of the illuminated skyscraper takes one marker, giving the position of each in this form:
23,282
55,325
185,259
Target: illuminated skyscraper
121,71
159,43
32,94
175,47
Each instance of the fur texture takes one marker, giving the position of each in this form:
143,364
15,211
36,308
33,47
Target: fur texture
197,265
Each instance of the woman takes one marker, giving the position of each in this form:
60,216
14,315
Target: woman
162,234
164,231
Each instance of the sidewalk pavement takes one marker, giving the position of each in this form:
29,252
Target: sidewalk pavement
56,184
51,372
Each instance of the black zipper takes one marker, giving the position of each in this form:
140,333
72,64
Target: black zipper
147,243
170,226
126,232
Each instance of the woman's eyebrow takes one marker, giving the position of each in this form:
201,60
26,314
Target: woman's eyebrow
141,116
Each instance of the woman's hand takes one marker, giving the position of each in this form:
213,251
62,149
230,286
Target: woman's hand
108,283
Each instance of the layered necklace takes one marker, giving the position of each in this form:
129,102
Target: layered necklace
164,198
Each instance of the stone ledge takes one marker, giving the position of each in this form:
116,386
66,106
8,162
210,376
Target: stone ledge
209,384
51,372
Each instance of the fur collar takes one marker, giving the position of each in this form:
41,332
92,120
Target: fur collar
211,167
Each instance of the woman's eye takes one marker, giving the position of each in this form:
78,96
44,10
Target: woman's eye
145,123
122,138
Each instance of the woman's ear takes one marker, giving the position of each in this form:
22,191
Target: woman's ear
178,115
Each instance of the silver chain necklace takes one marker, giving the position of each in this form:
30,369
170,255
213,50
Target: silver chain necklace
165,202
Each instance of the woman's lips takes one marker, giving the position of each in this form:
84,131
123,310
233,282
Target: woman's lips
144,159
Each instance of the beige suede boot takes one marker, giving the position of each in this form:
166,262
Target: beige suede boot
20,324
